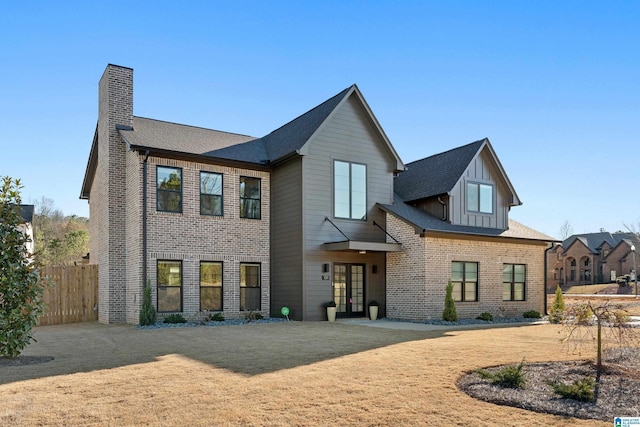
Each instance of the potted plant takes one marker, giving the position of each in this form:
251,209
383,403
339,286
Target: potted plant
373,309
331,310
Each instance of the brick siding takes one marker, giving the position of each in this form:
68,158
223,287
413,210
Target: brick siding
417,276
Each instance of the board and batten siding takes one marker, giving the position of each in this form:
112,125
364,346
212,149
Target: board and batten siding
348,136
286,239
481,170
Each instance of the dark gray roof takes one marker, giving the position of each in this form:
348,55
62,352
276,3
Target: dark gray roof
427,222
150,133
285,140
593,241
26,212
435,175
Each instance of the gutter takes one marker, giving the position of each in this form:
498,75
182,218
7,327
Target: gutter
545,277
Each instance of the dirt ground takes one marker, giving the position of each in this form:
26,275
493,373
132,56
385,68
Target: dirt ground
296,373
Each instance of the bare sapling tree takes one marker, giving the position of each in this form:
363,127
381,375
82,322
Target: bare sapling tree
602,323
566,229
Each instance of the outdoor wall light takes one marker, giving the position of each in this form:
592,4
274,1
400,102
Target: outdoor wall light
325,268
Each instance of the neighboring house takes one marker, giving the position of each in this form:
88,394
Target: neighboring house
590,258
26,212
217,221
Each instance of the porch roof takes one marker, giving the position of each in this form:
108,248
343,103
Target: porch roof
358,246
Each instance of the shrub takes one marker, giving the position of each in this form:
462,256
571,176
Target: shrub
449,313
148,312
582,390
373,303
20,288
330,304
175,318
253,315
485,316
215,317
509,377
556,314
532,314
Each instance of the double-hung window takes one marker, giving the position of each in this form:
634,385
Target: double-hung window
169,189
513,282
210,286
480,198
250,287
249,197
349,190
169,286
211,194
464,276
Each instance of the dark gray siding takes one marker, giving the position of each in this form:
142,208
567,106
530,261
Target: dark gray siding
482,169
286,239
348,136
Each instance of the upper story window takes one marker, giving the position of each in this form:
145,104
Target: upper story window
211,194
480,198
349,190
249,197
169,189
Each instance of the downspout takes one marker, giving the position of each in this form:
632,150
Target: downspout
444,209
545,277
144,219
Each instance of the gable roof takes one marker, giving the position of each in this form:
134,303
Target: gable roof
289,139
424,222
293,137
593,241
438,174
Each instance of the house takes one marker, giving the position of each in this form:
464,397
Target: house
589,258
26,213
320,209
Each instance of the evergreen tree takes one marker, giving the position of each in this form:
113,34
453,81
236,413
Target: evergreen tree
557,308
449,314
148,311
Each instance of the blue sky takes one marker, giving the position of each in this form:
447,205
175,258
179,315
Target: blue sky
554,85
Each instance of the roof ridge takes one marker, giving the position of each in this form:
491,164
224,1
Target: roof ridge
448,151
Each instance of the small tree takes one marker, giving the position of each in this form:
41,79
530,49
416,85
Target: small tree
590,322
148,312
20,291
557,308
449,313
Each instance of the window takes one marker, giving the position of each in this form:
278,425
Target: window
349,190
210,286
480,198
464,276
250,287
249,197
211,194
169,191
169,286
513,282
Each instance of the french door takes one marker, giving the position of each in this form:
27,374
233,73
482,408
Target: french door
348,289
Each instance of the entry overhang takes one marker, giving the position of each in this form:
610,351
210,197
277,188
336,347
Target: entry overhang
357,246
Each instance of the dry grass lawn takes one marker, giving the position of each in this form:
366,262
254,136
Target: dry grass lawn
296,373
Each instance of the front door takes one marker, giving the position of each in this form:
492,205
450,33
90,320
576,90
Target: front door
348,290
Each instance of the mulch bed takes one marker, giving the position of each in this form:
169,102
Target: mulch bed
618,393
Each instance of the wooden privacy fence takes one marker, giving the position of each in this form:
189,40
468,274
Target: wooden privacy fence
71,294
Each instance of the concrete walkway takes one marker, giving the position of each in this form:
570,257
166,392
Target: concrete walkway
411,326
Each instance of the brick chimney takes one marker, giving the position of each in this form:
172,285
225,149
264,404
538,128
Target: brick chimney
115,110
